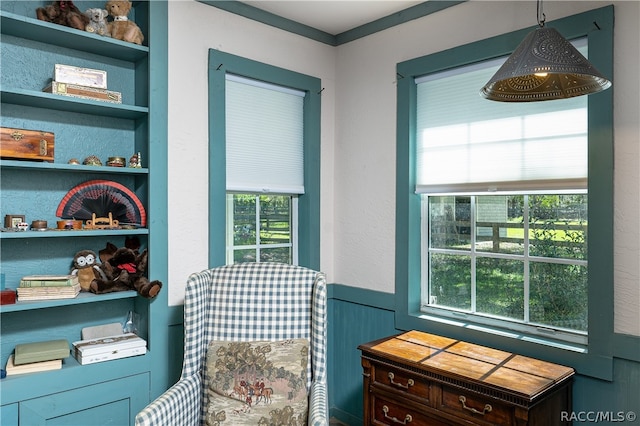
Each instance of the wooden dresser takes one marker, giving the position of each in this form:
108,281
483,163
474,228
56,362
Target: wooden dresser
418,378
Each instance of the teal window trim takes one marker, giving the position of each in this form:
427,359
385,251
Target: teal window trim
596,359
221,63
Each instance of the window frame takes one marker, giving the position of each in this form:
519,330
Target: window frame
596,358
221,63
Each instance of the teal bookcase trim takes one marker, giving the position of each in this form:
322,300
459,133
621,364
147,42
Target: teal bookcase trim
256,14
221,63
596,359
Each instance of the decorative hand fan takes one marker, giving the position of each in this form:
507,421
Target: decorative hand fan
101,197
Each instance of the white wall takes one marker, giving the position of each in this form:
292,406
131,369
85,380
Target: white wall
358,130
194,28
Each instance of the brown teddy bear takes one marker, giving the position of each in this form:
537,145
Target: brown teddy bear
122,28
63,13
124,269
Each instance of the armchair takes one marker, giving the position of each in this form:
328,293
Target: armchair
242,303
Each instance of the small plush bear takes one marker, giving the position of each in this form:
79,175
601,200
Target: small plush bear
98,21
122,28
63,13
125,270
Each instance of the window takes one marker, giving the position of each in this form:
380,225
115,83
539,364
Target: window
515,258
264,150
504,211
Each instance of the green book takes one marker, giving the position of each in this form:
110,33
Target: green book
49,281
26,353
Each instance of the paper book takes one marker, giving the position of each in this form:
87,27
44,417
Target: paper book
27,353
48,281
47,293
11,368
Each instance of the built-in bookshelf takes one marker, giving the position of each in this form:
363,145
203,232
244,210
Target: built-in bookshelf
29,49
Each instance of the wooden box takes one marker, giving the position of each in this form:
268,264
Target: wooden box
80,76
83,92
21,144
423,379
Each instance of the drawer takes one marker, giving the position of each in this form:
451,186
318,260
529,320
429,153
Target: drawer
478,408
389,413
405,383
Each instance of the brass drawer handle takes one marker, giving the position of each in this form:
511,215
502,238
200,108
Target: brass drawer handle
407,418
400,385
487,407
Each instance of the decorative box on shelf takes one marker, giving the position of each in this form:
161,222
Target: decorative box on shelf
423,379
22,144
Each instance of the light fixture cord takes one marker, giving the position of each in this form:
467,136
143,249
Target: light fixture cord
541,15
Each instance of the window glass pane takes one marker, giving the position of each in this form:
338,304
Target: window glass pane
247,255
499,226
558,226
450,283
449,222
500,287
277,254
275,219
559,295
244,219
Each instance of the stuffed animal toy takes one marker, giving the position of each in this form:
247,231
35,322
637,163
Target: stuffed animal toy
84,265
63,13
122,28
97,21
123,271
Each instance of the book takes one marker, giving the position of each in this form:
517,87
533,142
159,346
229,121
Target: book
33,367
47,293
26,353
49,281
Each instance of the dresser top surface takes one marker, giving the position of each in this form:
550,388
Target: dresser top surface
527,377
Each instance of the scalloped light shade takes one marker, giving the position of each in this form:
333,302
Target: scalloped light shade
545,66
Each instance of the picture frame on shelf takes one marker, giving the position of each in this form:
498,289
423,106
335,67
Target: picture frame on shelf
12,220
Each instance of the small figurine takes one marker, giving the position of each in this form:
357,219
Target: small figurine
92,160
136,161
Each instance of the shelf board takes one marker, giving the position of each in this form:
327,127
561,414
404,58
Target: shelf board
59,167
81,298
35,99
65,233
59,35
20,387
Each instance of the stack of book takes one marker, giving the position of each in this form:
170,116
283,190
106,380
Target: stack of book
38,356
84,83
107,348
46,287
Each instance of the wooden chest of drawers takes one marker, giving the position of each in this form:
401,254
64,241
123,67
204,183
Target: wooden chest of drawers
418,378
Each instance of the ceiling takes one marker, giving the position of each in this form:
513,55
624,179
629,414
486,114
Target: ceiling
332,16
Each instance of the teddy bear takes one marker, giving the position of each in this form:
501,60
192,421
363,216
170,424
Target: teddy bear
124,269
97,21
63,13
121,28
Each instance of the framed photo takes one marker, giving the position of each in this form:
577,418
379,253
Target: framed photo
12,220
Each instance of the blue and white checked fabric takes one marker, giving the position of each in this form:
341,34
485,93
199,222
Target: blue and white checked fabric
245,302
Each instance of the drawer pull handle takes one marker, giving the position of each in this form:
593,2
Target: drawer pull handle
487,407
407,418
400,385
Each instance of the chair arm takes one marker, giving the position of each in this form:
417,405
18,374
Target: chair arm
179,405
318,404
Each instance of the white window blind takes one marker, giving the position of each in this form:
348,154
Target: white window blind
468,144
264,137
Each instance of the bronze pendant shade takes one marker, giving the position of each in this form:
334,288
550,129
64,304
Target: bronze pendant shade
545,66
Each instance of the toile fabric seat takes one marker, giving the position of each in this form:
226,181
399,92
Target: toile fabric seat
246,302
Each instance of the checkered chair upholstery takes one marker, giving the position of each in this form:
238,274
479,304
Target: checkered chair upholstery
245,302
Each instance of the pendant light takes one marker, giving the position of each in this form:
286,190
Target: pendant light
544,67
